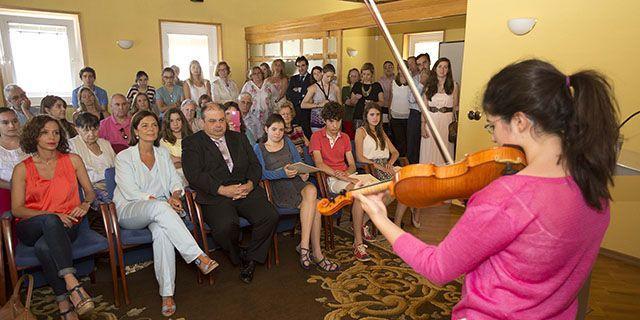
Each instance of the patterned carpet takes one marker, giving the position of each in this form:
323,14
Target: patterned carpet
384,288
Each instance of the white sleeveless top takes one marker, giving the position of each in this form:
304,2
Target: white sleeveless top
371,151
400,101
8,160
197,92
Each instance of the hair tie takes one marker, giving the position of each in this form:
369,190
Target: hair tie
567,81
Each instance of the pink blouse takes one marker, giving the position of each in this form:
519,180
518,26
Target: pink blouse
526,245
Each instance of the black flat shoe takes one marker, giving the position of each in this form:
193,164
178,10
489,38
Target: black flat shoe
246,271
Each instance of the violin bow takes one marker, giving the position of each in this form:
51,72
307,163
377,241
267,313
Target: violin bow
375,13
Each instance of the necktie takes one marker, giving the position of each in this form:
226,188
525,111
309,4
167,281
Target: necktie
225,153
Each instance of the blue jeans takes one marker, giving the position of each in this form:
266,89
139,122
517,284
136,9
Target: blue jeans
52,243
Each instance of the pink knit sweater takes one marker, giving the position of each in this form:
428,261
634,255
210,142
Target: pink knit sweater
526,245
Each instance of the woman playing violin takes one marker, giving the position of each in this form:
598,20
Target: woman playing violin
527,242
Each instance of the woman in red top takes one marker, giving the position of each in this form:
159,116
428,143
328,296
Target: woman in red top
46,203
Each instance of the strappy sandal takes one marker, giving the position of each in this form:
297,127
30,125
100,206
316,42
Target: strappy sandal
327,265
85,305
206,268
168,309
305,258
65,314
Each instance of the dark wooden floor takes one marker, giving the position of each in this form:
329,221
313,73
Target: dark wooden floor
615,285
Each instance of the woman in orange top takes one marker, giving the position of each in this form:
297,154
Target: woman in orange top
46,203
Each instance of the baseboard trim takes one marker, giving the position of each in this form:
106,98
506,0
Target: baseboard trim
634,261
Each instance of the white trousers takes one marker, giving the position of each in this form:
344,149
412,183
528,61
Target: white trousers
168,232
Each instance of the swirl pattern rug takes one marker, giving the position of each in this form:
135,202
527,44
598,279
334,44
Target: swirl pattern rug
384,288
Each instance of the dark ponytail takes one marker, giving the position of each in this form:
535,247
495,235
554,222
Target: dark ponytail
579,108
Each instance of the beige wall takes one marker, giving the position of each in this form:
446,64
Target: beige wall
102,22
373,48
572,34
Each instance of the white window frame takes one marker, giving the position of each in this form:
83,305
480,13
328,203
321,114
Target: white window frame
211,30
433,36
69,20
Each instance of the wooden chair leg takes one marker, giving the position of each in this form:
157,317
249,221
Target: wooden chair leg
331,232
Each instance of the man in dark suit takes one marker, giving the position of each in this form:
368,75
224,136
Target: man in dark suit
221,166
296,91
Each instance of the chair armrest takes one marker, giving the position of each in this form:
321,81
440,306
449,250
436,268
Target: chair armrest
267,188
321,177
3,297
7,235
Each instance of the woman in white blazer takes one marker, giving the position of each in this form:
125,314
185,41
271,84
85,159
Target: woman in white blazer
148,195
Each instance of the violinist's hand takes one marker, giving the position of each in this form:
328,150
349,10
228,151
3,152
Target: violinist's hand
373,205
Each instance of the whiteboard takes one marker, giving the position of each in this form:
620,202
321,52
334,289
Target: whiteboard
453,51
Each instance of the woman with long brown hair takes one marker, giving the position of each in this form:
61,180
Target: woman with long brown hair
280,81
443,99
527,242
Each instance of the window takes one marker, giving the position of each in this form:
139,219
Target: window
185,42
41,52
425,42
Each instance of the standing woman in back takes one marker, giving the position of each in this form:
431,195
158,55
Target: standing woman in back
443,99
319,93
280,81
196,85
527,242
224,88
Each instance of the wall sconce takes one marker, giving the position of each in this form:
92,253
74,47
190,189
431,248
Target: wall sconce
352,52
125,44
521,26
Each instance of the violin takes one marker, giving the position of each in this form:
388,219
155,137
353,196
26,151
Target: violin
422,185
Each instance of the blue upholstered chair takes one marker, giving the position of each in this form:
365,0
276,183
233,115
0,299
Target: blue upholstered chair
137,242
22,258
288,218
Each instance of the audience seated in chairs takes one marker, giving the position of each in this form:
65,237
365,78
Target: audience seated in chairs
148,195
293,131
115,128
169,95
141,86
330,148
97,155
88,102
56,107
292,190
141,101
189,110
88,77
46,219
230,108
18,101
174,129
373,147
10,153
220,166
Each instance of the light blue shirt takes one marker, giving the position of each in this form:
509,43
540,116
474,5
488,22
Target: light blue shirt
169,97
103,98
413,104
135,182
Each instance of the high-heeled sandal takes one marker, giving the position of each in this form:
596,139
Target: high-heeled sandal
206,268
85,304
305,259
327,265
168,309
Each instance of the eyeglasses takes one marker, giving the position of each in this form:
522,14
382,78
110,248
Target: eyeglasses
124,134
